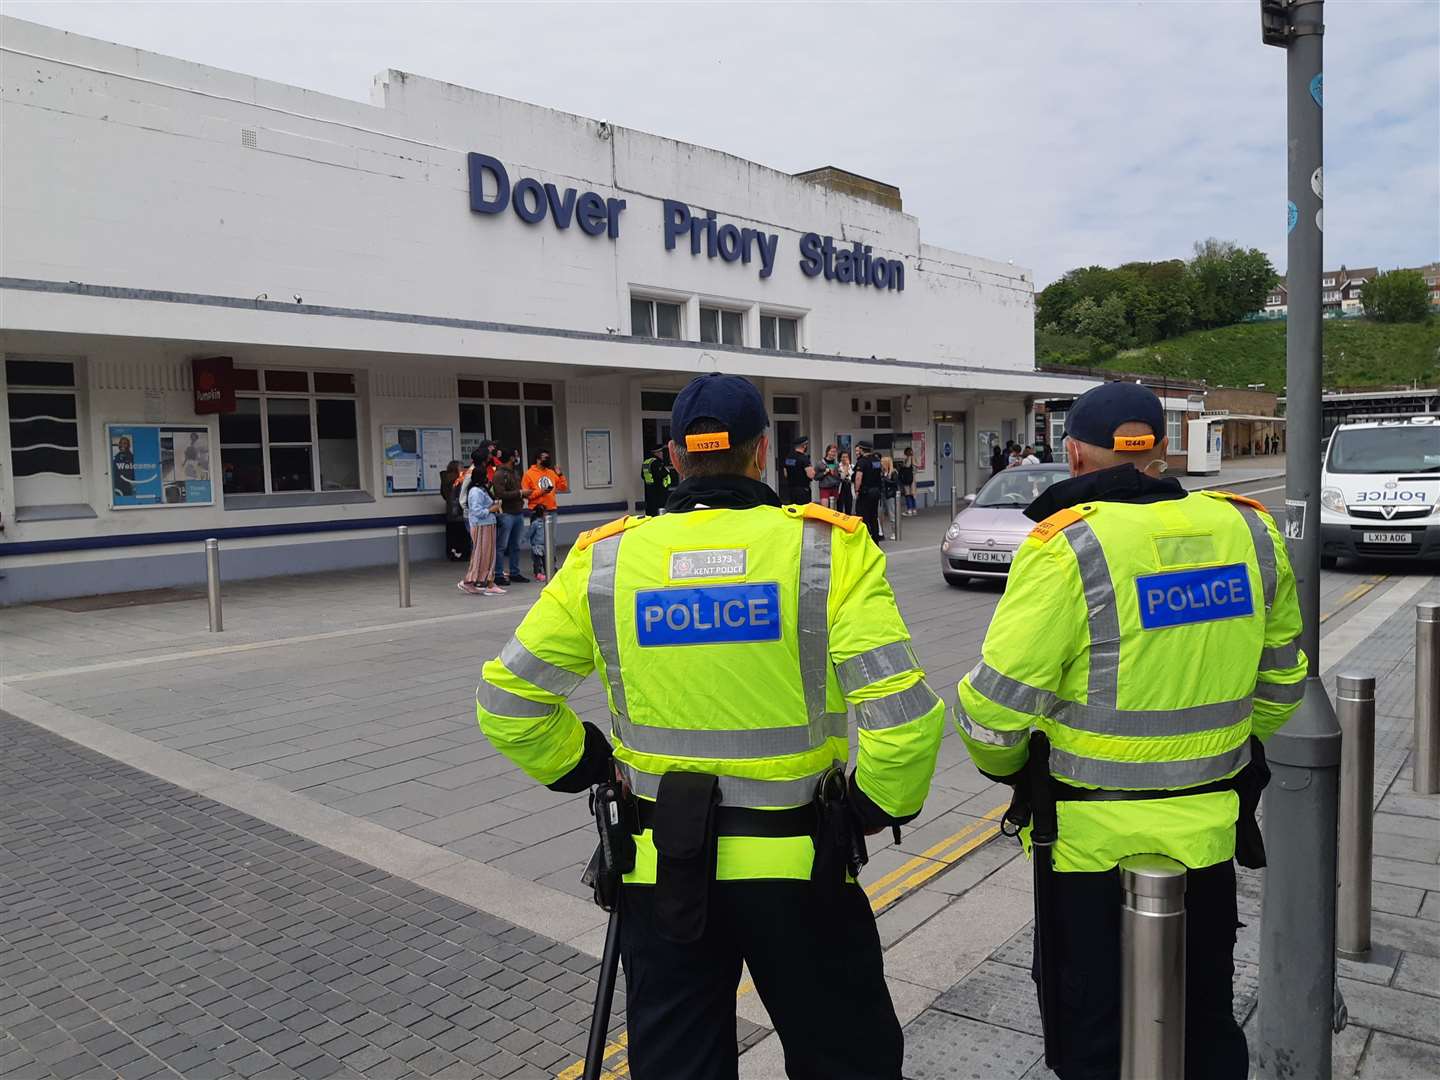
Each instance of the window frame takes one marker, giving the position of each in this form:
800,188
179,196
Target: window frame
522,402
774,318
653,301
73,488
720,313
1175,429
312,397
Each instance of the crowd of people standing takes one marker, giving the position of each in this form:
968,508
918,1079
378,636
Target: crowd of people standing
491,508
866,487
1012,454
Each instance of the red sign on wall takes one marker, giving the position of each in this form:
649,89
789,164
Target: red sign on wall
214,379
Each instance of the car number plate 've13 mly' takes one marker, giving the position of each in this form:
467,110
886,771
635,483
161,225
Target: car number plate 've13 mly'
990,556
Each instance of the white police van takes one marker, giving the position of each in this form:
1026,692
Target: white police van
1380,490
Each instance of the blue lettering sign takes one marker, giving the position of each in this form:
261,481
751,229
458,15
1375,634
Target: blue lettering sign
533,201
1193,596
708,615
850,266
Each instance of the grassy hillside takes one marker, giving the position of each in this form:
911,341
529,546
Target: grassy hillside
1358,353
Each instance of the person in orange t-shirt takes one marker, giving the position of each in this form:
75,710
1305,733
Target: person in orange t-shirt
540,485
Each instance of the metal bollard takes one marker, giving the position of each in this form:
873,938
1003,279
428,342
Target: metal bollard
1152,968
1355,705
954,498
895,518
212,584
402,544
549,545
1425,752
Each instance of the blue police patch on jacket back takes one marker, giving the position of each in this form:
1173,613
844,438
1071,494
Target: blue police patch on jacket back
1191,596
708,615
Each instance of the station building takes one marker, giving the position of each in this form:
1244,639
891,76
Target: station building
238,309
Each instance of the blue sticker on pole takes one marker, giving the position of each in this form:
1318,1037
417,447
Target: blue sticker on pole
708,615
1293,218
1193,596
1317,85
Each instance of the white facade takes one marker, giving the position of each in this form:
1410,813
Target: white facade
156,210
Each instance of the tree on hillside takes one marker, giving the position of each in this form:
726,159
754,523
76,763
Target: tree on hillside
1228,282
1396,296
1156,300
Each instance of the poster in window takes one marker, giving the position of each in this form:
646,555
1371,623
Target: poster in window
917,443
158,465
598,469
415,457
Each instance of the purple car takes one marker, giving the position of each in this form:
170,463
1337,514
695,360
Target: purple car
982,539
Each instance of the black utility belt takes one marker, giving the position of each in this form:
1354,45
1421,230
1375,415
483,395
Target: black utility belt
1065,793
745,821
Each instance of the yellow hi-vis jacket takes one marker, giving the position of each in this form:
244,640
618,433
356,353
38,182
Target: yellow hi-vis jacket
729,642
1149,642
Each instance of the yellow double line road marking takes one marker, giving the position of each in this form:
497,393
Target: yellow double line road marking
1354,594
883,892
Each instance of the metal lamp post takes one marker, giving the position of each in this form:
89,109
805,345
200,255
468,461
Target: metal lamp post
1298,995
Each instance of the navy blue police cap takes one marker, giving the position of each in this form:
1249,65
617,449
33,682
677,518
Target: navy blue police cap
1097,414
730,401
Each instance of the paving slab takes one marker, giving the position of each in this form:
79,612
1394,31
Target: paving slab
143,926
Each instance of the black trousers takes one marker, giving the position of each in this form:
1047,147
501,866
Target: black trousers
817,967
457,538
1088,959
867,505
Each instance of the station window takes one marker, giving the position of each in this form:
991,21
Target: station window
655,318
44,430
719,327
779,332
291,431
518,416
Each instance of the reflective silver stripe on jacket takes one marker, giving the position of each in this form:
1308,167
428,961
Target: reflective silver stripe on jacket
1147,775
1101,613
812,628
895,709
870,667
1280,656
1152,723
1264,550
524,664
982,734
602,613
503,703
1280,693
736,790
717,743
1010,693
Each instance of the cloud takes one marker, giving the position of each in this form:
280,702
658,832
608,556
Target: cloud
1054,134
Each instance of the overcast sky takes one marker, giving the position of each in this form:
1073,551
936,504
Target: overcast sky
1053,134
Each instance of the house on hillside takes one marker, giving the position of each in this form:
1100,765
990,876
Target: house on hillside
1277,302
1340,293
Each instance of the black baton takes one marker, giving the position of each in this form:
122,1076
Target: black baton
1043,830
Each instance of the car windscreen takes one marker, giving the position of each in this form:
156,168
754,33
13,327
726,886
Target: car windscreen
1408,449
1018,488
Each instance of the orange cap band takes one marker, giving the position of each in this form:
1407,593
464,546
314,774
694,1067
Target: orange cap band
1134,442
712,440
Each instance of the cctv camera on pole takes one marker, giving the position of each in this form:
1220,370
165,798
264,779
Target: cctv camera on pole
1299,1001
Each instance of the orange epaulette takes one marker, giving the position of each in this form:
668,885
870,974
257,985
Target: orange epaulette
816,512
1230,496
1058,522
609,529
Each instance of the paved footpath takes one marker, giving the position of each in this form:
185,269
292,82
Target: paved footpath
147,931
987,1025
